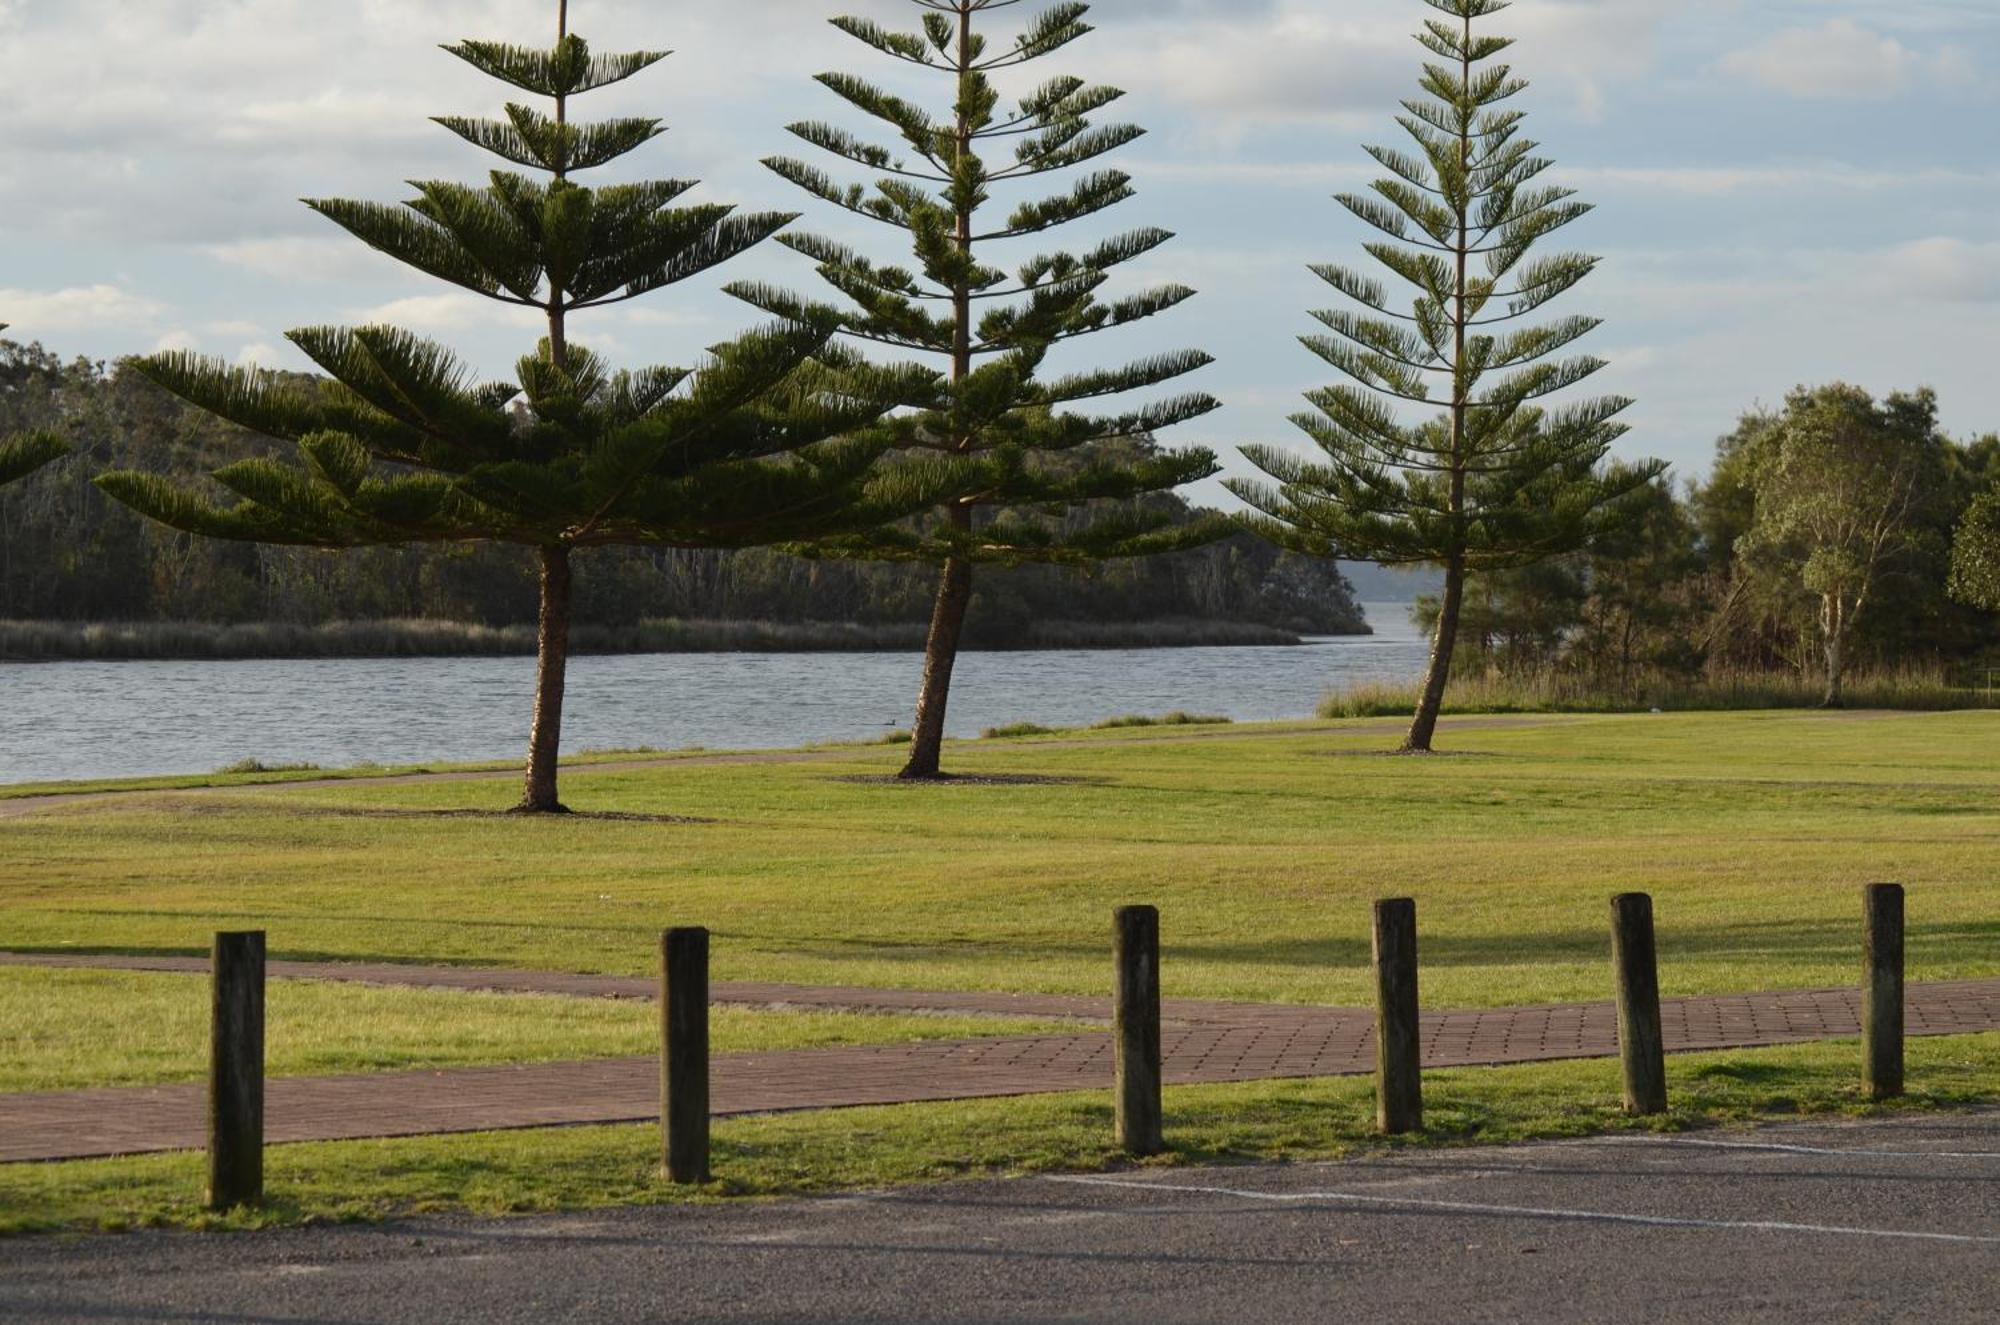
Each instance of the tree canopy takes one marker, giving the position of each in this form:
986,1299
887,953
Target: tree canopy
1975,554
25,453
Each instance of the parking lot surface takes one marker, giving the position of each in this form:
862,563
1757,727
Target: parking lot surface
1843,1221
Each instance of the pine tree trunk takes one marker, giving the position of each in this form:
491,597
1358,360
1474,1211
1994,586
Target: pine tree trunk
551,672
940,657
954,596
1424,727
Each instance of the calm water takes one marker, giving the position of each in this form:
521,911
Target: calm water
121,719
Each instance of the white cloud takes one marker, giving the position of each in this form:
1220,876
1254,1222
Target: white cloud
453,311
1293,61
332,257
80,307
1840,60
1766,180
1293,66
1941,269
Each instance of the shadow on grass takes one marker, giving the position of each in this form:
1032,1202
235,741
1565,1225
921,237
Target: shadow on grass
962,963
1790,940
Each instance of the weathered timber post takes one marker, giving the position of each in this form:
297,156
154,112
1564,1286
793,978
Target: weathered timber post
1635,958
684,1054
1399,1084
1882,991
1135,1029
236,1072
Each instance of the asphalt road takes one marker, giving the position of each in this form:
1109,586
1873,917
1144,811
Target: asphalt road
1893,1220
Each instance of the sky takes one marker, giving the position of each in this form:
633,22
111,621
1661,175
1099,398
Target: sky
1787,191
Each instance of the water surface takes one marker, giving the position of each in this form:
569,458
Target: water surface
130,719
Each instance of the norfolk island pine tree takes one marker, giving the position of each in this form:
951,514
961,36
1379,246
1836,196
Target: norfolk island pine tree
24,453
1497,478
771,441
1038,483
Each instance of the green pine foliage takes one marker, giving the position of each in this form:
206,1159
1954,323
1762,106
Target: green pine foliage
1044,473
1493,475
768,441
23,455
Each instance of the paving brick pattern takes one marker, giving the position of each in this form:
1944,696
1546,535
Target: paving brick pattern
1203,1042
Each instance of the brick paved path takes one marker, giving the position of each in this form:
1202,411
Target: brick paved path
1204,1042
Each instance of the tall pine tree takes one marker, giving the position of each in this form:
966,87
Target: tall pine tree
25,453
1498,478
769,441
1038,481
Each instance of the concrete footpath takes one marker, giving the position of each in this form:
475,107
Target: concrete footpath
1203,1041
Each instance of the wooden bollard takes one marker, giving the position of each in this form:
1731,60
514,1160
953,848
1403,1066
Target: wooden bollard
236,1072
1882,991
1135,1029
684,1054
1399,1084
1635,959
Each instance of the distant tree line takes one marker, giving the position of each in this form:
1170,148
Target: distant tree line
68,553
1822,540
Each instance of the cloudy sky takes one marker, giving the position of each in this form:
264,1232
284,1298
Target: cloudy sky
1788,190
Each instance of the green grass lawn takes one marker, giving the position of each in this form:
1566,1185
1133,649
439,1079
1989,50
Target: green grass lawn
61,1030
1262,847
794,1154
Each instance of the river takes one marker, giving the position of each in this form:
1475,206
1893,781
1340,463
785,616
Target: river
77,720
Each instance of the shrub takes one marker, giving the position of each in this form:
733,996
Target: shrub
259,766
1918,689
1178,718
1013,730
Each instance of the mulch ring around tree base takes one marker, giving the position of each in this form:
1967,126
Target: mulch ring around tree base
971,780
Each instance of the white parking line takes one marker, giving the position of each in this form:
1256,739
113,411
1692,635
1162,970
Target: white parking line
1533,1212
1780,1148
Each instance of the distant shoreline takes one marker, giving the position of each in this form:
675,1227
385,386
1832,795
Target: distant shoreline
63,641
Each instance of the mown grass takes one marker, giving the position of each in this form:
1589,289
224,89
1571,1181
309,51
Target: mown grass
255,772
66,1029
1263,846
864,1149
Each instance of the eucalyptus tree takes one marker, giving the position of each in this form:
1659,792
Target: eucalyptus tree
768,441
23,454
1037,480
1492,476
1838,493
